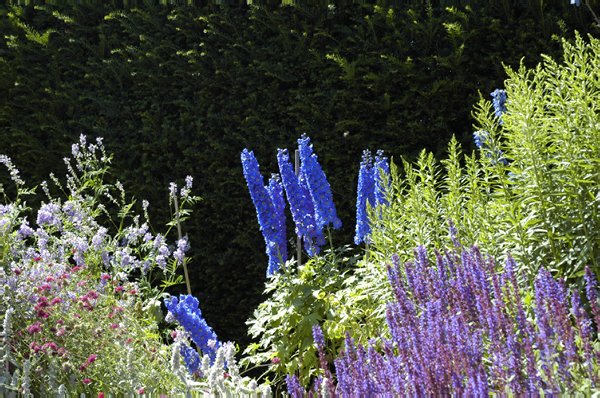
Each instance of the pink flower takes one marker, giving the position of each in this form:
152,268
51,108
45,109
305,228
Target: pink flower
56,301
133,292
119,289
128,341
60,332
17,271
114,326
60,321
42,314
50,265
92,358
174,334
35,328
92,294
75,269
74,250
86,381
81,283
105,277
49,279
37,259
101,395
141,391
77,316
275,361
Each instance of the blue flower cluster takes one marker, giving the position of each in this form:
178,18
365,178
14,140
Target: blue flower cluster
191,358
481,141
320,191
279,235
269,209
372,185
499,100
382,181
186,312
301,204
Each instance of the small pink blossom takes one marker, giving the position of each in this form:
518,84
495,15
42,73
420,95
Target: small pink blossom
17,271
56,301
35,328
141,391
81,283
105,277
114,326
77,316
275,361
76,269
92,294
86,381
119,289
133,291
128,341
60,321
92,358
49,279
37,259
60,332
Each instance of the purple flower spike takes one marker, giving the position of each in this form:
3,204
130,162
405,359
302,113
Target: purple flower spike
592,294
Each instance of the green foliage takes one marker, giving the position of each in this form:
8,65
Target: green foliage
551,136
542,207
179,91
299,299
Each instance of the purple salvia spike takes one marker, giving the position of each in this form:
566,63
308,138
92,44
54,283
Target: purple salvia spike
592,294
585,332
453,234
343,374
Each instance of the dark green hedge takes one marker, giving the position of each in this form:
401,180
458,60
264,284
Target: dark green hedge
183,91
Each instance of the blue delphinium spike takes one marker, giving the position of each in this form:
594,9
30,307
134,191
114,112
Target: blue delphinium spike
191,358
265,210
300,204
276,193
314,238
499,101
186,312
382,182
320,191
366,193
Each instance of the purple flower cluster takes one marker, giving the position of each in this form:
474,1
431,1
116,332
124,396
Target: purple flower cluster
460,327
186,312
269,209
373,181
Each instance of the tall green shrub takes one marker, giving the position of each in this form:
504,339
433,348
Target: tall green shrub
542,206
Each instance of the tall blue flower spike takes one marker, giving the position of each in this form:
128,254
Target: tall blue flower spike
382,182
279,235
186,312
301,205
270,216
319,188
366,193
